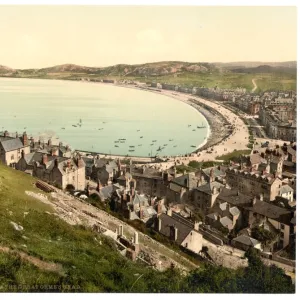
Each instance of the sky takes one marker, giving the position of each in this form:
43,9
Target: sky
42,36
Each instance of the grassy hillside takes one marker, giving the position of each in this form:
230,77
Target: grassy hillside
270,76
50,255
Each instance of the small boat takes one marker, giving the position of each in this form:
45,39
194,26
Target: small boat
141,137
165,144
116,146
103,122
151,144
154,141
175,146
194,129
171,140
193,146
159,149
116,141
131,150
140,145
138,130
189,125
122,141
63,128
74,125
131,146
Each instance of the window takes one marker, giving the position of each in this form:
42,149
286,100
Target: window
281,235
12,157
282,226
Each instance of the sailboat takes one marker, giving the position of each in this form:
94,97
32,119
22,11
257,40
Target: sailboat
202,126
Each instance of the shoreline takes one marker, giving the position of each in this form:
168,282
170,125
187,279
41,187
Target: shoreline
213,112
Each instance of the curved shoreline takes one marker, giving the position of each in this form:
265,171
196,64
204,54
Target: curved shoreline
209,110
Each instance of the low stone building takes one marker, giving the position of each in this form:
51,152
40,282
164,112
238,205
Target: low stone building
280,218
59,171
179,230
245,242
12,147
180,188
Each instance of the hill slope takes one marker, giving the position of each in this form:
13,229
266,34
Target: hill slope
223,75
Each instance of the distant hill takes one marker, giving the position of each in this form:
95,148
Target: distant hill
267,69
223,75
6,70
254,64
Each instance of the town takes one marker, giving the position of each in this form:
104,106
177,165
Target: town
245,201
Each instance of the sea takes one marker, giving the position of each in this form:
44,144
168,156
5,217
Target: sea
101,118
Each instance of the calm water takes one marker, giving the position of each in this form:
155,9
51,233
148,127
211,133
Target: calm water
120,113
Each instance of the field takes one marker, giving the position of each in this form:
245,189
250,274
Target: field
223,80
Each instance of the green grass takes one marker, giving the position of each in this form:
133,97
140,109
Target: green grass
234,154
88,266
228,80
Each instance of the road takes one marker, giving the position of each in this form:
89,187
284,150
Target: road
255,86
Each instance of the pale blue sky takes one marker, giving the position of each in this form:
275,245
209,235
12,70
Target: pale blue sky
41,36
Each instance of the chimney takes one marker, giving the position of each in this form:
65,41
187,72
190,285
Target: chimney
56,163
88,189
25,139
132,191
67,147
158,224
60,144
196,226
6,134
214,190
136,238
49,142
120,230
45,159
17,135
159,208
173,232
32,142
261,197
22,154
54,152
98,185
141,213
175,171
184,172
144,169
68,163
253,201
169,212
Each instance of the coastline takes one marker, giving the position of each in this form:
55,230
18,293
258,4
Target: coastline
211,111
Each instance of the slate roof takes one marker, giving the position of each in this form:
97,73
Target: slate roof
188,180
290,150
225,221
233,197
11,144
107,191
246,240
271,211
234,211
140,200
207,188
174,187
183,229
217,172
147,172
286,189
